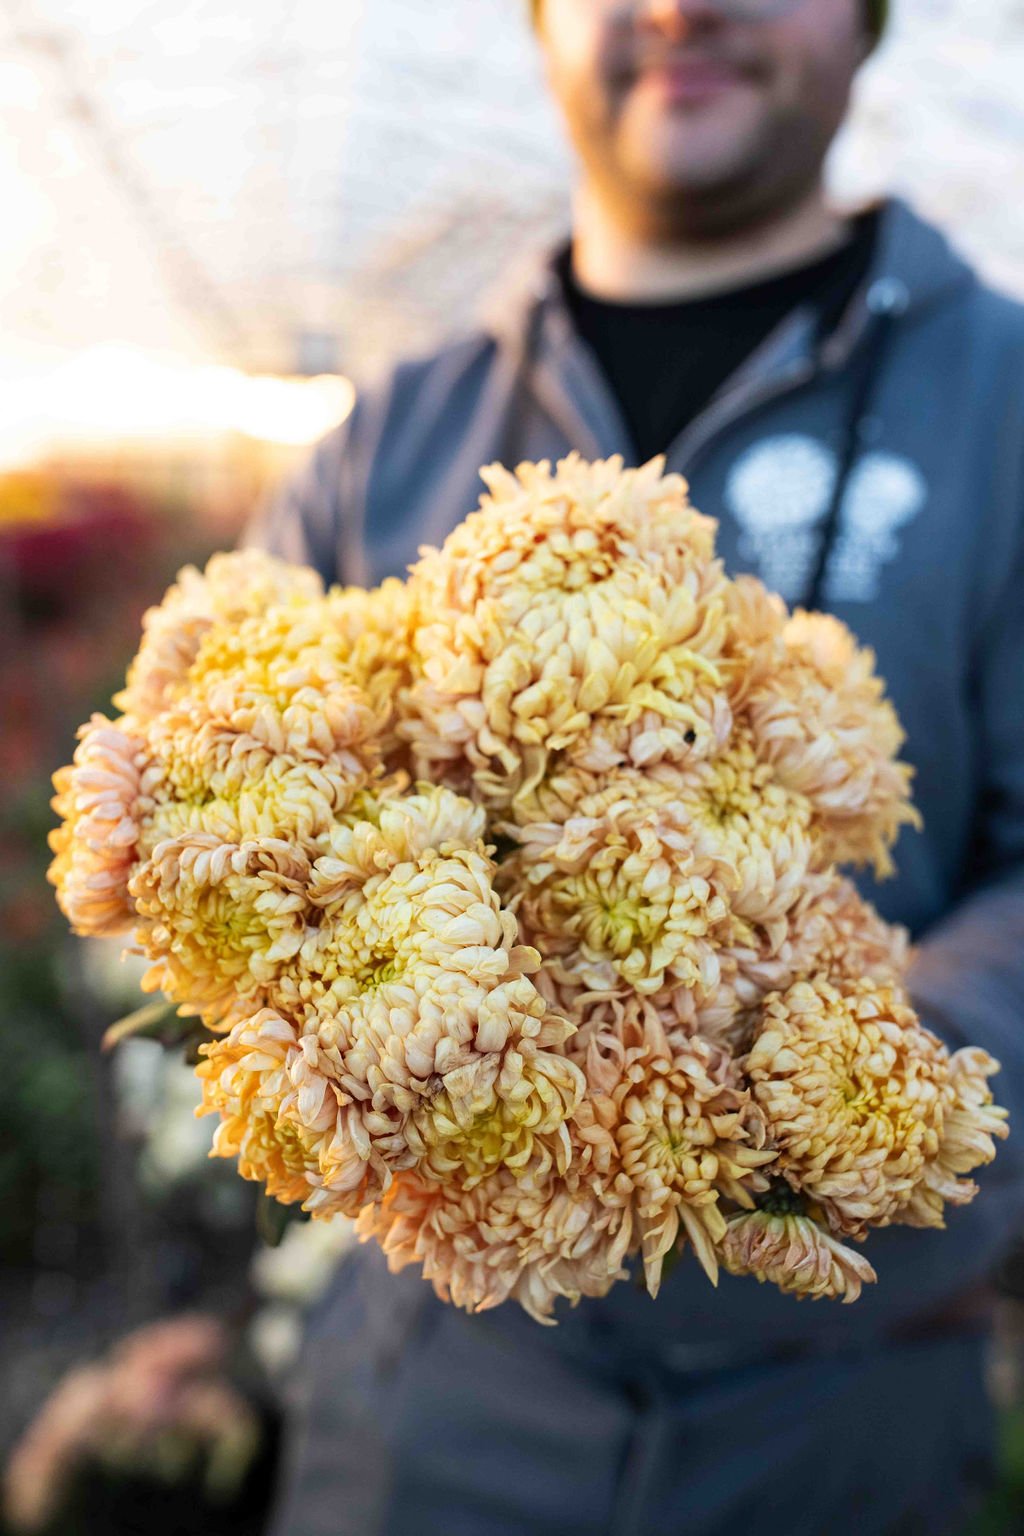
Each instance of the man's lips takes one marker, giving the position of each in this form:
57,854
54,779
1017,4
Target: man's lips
691,81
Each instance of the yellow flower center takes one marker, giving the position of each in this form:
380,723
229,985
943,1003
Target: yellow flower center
286,1139
496,1137
380,966
613,925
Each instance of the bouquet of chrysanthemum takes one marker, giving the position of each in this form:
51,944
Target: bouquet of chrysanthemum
509,898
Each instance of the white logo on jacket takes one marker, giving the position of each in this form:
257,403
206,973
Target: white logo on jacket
780,491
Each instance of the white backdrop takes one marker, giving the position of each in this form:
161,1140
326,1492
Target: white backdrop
252,183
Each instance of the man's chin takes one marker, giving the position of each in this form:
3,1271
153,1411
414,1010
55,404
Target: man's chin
689,160
710,199
690,180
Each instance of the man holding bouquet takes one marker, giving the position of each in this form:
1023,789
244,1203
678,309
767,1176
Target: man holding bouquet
847,399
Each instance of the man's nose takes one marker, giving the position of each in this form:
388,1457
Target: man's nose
680,19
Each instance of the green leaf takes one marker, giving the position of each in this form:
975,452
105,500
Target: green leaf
273,1219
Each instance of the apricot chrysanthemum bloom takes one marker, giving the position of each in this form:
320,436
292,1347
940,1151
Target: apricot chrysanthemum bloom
510,1110
530,1240
102,801
852,1088
822,719
578,612
971,1120
637,884
488,1108
669,1127
283,685
784,1246
222,921
830,930
252,702
269,733
234,586
617,896
290,1127
752,829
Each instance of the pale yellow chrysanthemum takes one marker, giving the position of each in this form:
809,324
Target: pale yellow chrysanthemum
102,801
637,885
263,730
743,827
852,1088
752,829
406,886
284,1107
617,895
787,1248
822,720
268,734
281,684
487,1109
427,1007
509,1110
580,611
234,586
394,952
507,1238
971,1120
287,1129
223,921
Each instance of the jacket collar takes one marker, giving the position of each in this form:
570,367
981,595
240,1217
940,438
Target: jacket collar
909,252
914,268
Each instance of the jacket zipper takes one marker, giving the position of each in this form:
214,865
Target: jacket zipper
730,408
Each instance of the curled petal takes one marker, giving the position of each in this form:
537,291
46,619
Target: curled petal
103,803
791,1251
972,1123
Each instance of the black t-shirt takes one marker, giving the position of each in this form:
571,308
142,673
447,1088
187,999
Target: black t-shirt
666,361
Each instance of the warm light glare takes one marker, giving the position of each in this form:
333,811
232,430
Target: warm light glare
112,394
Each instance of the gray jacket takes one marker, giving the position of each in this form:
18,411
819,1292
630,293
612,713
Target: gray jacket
915,404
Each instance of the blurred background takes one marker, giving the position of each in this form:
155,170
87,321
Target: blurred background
215,227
